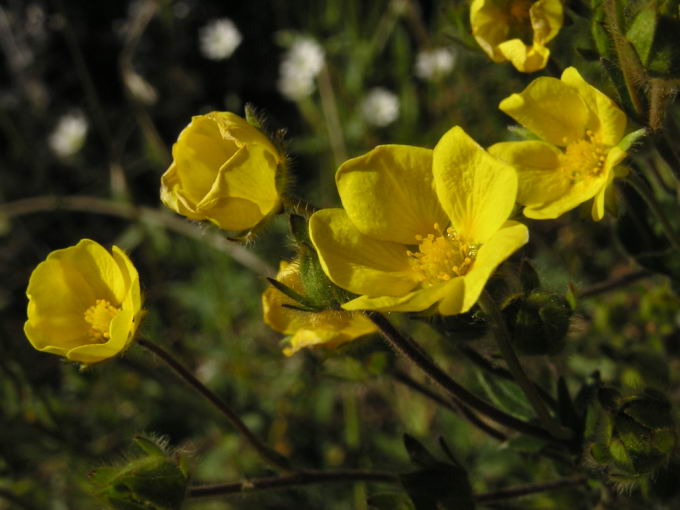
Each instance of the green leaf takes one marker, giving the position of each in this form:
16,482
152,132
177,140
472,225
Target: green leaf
506,395
418,453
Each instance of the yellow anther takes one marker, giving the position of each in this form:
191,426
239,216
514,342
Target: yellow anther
99,316
442,257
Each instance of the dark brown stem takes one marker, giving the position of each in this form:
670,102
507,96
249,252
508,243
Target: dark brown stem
614,283
523,490
407,348
272,457
292,480
456,406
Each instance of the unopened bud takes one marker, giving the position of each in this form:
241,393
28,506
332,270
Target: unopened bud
636,434
155,481
538,322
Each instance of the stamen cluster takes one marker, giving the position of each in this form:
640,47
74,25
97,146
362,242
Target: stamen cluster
442,256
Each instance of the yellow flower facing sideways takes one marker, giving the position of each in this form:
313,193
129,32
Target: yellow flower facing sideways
517,30
224,170
329,328
575,161
84,303
419,227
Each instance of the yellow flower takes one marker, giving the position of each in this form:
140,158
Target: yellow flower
516,30
84,303
580,128
223,170
419,227
329,328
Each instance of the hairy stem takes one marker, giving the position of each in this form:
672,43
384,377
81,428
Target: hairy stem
272,457
297,479
410,350
504,344
523,490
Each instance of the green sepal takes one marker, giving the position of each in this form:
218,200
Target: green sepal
629,140
307,305
156,481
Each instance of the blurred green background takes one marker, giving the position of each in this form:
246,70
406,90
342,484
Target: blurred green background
134,73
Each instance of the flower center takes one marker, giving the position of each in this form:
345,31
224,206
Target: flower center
442,256
519,9
99,316
584,158
518,14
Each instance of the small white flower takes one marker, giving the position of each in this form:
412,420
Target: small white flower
69,135
435,63
305,56
380,107
295,86
219,39
300,65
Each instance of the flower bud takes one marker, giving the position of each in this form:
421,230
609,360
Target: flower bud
633,435
538,322
224,170
153,482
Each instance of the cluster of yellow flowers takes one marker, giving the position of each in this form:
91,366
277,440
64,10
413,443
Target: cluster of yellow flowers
419,229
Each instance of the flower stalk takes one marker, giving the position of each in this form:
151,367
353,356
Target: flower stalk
411,351
272,457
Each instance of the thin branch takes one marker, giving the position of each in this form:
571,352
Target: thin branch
456,406
614,283
274,458
298,479
523,490
408,348
97,205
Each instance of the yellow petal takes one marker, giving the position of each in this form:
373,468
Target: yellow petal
357,262
278,317
121,330
547,17
504,243
476,190
198,154
133,298
538,170
526,59
489,27
606,118
415,301
574,195
353,326
389,195
551,109
249,174
234,127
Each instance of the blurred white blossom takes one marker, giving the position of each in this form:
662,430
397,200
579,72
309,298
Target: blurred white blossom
380,107
435,63
68,136
140,89
300,65
219,39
